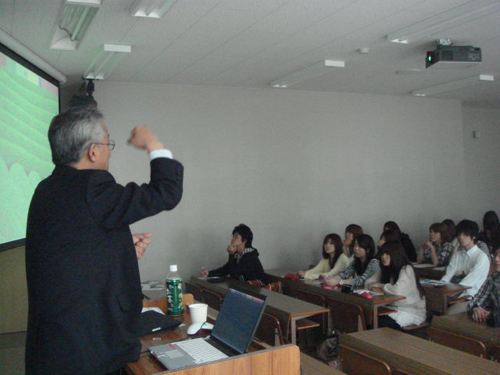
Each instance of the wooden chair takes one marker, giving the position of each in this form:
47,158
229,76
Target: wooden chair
195,290
400,372
456,341
346,317
316,299
269,330
357,363
212,299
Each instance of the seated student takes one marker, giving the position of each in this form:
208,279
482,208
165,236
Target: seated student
438,250
243,263
334,260
365,268
485,306
387,235
469,265
410,251
351,232
452,232
399,278
491,229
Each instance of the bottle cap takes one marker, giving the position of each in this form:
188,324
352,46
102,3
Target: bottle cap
173,268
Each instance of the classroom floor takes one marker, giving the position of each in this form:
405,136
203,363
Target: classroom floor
12,353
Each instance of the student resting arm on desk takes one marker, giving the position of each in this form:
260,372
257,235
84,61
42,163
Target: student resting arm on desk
468,263
485,306
243,263
399,278
334,260
439,249
363,269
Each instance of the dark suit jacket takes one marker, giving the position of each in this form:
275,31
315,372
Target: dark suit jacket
83,278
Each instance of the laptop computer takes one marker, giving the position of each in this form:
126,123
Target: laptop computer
232,334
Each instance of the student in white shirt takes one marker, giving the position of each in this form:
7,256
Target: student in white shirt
469,265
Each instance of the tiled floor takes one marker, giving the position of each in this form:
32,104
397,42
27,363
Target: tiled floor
12,353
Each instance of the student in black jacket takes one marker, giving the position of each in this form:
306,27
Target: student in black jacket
243,263
410,251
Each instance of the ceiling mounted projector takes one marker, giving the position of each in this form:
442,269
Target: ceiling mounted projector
453,56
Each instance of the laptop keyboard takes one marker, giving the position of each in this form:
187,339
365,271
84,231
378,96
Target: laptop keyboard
200,350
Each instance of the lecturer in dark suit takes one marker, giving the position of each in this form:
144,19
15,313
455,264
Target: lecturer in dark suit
81,259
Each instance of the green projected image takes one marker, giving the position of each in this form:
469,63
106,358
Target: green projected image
27,104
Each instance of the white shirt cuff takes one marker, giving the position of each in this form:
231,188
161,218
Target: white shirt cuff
161,153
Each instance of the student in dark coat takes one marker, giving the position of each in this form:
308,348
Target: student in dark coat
410,251
81,259
243,263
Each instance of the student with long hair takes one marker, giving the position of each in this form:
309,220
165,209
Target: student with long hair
365,268
334,260
399,278
438,250
351,232
387,235
491,229
407,243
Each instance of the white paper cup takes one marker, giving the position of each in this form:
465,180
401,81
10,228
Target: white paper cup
198,312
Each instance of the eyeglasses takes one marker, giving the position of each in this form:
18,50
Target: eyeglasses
111,144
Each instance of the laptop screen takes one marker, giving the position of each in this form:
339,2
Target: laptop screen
239,318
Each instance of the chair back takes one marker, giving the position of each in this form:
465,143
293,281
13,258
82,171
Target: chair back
315,299
400,372
212,299
346,317
355,362
310,297
456,341
195,290
269,330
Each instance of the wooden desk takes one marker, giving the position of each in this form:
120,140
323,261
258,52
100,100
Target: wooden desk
283,360
437,299
433,273
369,306
463,325
416,355
287,309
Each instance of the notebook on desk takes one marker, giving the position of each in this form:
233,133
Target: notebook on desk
232,334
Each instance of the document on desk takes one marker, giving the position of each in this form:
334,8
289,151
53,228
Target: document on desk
432,282
423,265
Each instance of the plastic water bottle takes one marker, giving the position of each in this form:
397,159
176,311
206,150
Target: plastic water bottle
174,291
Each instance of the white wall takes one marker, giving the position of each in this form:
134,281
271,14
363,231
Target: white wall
482,162
292,165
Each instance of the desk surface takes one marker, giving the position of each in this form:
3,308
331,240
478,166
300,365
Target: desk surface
294,307
437,298
463,325
425,271
285,362
368,305
416,355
